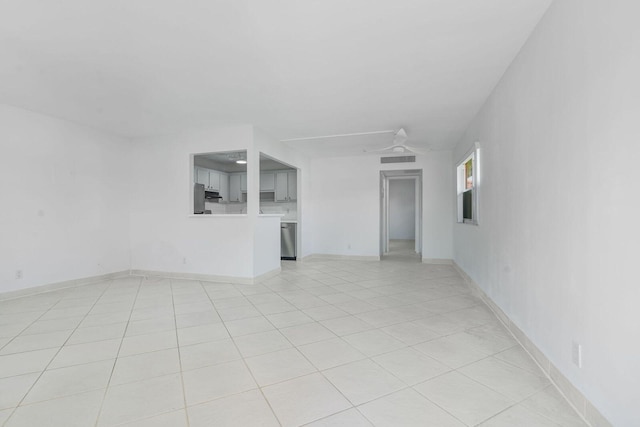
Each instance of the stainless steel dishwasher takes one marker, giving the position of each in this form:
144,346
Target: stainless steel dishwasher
288,241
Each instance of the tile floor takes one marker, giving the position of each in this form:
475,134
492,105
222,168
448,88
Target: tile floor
325,343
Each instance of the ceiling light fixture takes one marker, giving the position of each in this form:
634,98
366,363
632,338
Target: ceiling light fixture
241,161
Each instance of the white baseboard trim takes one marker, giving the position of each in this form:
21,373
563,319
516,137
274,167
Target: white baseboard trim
34,290
576,399
207,277
443,261
340,257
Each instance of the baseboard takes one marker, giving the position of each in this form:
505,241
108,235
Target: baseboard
576,399
340,257
34,290
443,261
207,277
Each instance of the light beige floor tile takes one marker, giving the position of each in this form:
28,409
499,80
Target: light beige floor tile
348,418
330,353
305,399
506,379
324,312
80,410
518,357
207,354
44,326
410,365
307,333
452,351
237,313
363,381
467,400
143,399
346,325
204,333
248,326
146,365
55,383
245,409
410,333
373,342
97,333
519,416
217,381
24,363
148,343
197,319
261,343
289,318
4,414
149,326
86,353
13,389
407,408
170,419
24,343
279,366
550,403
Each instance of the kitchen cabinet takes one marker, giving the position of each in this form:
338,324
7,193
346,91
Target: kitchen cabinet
224,186
214,180
286,186
243,182
202,176
235,192
267,181
292,185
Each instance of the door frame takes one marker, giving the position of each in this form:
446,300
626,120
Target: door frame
385,177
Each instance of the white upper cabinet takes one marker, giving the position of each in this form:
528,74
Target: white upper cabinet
292,185
267,181
286,186
243,182
224,187
214,180
235,192
202,176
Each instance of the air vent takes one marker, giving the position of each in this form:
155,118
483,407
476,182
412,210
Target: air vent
398,159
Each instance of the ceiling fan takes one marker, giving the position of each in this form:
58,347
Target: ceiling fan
399,146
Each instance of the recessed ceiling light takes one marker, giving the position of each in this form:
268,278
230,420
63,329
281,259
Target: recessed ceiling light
241,162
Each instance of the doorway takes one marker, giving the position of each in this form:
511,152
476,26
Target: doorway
401,215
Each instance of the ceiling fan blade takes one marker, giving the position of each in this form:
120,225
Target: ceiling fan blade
381,150
416,150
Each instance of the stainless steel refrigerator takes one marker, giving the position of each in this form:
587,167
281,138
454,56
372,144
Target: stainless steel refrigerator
198,198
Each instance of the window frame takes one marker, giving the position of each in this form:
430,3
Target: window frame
461,185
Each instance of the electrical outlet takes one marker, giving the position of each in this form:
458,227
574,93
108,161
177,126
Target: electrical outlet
576,354
18,274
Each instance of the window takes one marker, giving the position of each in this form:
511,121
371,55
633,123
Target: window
467,187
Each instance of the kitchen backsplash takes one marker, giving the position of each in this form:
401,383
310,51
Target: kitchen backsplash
290,209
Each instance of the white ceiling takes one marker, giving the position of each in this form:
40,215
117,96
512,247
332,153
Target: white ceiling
295,68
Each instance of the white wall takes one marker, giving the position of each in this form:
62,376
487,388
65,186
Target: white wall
402,205
345,204
164,234
64,204
556,248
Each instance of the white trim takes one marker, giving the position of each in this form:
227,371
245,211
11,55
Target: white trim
50,287
314,257
207,277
